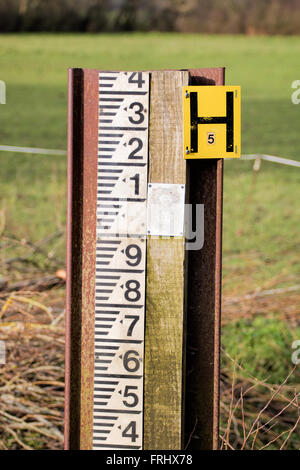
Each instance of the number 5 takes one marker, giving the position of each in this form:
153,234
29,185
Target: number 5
211,138
129,394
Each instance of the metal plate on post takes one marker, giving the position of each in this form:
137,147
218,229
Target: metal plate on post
165,209
212,121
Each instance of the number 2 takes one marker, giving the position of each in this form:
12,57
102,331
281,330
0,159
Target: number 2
139,147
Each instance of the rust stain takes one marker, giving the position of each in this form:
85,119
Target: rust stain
89,255
204,297
81,243
73,271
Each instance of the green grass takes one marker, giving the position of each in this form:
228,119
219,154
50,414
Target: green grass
34,68
258,343
257,360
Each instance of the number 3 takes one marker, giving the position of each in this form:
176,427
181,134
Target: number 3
138,112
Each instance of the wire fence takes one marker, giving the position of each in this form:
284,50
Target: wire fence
257,157
39,151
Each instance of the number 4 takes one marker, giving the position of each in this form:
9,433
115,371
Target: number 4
132,435
139,80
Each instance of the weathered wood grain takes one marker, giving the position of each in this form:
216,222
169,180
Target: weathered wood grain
163,389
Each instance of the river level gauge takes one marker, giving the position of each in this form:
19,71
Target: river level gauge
135,316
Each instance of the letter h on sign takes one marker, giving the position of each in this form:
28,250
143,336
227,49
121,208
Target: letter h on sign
211,121
227,120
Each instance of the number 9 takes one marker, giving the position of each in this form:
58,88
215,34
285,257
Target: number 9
133,252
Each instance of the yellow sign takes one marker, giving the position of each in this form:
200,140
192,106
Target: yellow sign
212,121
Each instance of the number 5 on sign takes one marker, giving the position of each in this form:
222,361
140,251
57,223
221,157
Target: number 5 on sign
212,121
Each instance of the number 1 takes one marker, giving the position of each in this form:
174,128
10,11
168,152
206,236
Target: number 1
136,179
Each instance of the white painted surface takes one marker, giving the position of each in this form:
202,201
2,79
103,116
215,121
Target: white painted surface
120,260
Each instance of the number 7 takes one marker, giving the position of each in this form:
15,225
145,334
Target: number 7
133,323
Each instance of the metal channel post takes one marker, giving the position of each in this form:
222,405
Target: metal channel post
81,241
204,296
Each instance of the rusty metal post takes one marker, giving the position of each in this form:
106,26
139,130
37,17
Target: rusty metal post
81,240
204,297
73,298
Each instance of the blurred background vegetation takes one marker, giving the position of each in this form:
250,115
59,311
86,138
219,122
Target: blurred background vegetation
198,16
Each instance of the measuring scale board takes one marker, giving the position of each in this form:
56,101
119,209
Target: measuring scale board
120,260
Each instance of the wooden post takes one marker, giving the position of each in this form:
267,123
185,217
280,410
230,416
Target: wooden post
164,349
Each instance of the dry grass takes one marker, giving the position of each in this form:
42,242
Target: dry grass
32,381
258,415
254,414
32,327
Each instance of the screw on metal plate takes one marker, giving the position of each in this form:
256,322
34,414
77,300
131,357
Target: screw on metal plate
187,95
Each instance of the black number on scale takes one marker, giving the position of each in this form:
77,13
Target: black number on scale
134,289
132,435
138,80
136,179
134,253
138,112
130,362
133,154
135,319
129,394
211,138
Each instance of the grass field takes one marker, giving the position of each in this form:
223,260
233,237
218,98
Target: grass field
35,71
261,212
